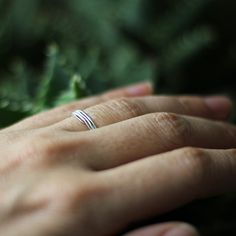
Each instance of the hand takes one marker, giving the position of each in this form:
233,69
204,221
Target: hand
58,178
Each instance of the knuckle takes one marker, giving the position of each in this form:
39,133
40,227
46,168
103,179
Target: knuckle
41,146
47,145
78,194
197,163
48,149
232,152
125,106
185,104
194,153
175,129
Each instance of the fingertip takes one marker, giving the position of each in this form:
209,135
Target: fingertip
221,106
166,229
136,90
181,230
140,89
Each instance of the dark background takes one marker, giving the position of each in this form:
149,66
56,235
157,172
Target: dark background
54,51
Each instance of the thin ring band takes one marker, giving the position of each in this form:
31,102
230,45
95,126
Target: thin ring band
85,119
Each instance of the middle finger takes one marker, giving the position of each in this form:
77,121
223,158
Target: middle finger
151,134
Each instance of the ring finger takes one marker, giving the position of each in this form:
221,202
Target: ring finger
126,108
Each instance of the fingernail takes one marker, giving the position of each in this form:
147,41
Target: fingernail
140,89
220,105
182,230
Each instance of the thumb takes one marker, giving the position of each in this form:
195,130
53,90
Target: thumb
166,229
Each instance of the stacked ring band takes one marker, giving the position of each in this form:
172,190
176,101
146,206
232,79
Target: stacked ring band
85,119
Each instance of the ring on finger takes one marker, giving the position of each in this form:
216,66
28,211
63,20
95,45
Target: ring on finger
85,119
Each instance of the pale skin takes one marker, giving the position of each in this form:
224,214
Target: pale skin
149,155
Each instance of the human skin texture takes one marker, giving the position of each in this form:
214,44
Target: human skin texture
149,155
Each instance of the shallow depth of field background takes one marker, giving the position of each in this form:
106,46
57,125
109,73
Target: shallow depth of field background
55,51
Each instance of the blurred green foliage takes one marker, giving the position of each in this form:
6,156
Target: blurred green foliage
55,51
183,46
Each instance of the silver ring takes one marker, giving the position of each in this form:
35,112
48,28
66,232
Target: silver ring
85,119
